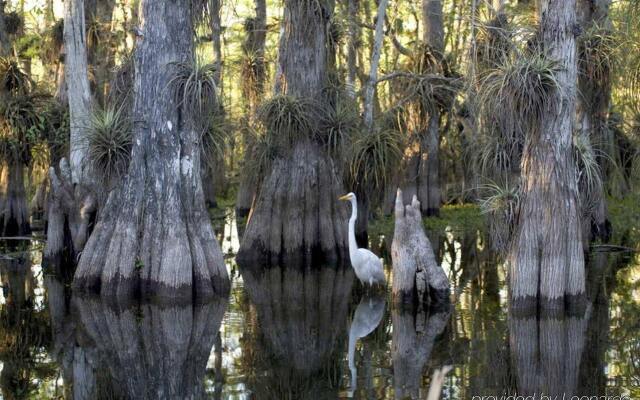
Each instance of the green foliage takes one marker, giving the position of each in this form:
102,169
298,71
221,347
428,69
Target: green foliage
12,79
109,140
52,42
427,83
494,44
55,128
516,95
624,214
375,157
597,48
20,126
193,87
287,119
500,202
29,45
339,125
253,71
589,174
261,152
215,138
13,22
459,219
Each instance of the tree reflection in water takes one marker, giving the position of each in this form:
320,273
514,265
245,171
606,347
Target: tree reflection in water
136,351
298,342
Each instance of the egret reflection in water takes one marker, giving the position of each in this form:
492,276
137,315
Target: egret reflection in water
366,319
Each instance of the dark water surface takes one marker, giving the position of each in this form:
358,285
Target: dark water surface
284,333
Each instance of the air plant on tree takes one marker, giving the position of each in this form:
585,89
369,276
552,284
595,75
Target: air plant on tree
109,141
194,89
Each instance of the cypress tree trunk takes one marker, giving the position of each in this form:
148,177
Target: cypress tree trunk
353,44
296,211
429,191
14,213
77,81
253,47
71,202
213,178
154,235
546,262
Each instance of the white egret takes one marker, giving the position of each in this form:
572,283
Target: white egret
368,266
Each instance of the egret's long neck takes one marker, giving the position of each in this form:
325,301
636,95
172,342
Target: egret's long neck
353,245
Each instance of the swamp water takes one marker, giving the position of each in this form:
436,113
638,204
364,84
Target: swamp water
287,334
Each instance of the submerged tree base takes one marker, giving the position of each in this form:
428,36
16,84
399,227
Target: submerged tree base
297,215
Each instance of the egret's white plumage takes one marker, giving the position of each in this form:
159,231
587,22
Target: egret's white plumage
368,266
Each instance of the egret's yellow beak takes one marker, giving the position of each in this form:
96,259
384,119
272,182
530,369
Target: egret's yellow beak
345,197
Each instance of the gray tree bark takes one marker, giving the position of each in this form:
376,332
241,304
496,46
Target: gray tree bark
296,213
77,80
546,262
375,60
153,235
416,274
213,179
71,202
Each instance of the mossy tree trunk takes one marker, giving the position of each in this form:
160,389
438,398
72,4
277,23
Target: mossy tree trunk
296,213
153,235
546,261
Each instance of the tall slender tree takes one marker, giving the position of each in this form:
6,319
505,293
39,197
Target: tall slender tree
429,191
254,73
153,235
546,261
